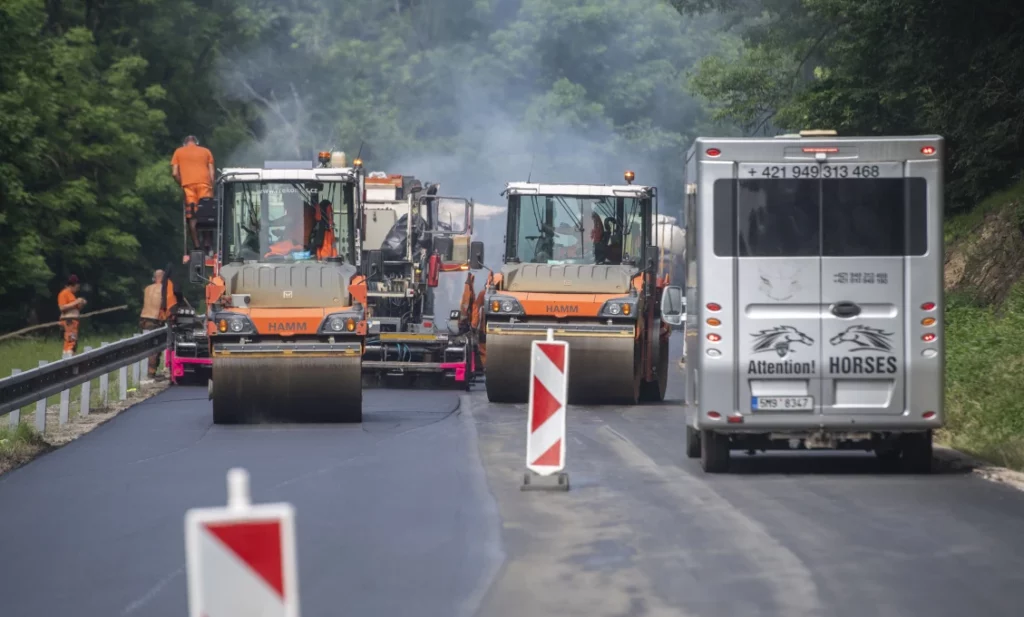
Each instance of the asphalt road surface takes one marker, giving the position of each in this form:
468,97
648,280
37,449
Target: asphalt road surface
418,513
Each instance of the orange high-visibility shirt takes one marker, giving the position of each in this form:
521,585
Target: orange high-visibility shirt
193,164
66,296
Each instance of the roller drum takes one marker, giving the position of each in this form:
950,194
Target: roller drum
601,369
287,389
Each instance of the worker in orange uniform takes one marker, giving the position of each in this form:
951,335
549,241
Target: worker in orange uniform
70,306
322,238
158,300
192,167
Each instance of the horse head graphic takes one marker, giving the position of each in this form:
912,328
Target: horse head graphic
864,338
781,339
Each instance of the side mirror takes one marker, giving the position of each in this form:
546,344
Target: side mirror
673,305
444,246
373,264
476,255
196,267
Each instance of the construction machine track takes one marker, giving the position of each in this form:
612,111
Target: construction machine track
602,369
324,389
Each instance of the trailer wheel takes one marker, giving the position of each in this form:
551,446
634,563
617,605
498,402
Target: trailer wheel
714,452
692,442
917,452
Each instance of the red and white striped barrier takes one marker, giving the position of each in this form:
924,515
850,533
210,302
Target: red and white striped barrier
549,393
241,559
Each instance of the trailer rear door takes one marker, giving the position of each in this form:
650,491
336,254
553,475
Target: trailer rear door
820,255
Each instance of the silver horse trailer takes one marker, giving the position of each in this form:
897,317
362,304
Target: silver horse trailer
815,296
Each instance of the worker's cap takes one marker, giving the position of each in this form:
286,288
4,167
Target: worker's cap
73,280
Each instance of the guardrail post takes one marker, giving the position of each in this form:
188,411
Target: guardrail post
41,409
135,374
15,415
86,393
122,378
65,404
104,383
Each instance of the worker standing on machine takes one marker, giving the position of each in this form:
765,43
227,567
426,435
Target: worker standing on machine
158,299
192,166
69,306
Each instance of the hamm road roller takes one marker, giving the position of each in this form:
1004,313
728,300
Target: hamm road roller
581,260
285,299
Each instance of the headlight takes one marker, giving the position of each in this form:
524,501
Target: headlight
619,307
503,305
341,323
234,323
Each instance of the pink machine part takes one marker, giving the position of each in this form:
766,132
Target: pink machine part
177,364
460,367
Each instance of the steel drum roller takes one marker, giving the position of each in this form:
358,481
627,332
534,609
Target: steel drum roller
602,369
287,389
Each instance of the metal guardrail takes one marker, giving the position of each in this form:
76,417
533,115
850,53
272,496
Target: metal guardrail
35,385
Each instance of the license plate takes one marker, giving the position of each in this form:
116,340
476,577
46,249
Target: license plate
782,403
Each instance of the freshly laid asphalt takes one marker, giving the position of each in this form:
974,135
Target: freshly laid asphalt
418,512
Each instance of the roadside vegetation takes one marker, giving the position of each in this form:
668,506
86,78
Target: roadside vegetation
985,330
21,443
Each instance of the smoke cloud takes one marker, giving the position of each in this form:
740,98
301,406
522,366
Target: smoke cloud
475,94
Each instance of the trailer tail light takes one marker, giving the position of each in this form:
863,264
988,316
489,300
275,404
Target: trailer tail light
735,419
928,338
714,338
928,150
713,152
714,322
928,321
821,150
713,307
928,415
714,415
928,306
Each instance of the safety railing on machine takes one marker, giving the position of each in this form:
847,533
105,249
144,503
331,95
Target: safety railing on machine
24,388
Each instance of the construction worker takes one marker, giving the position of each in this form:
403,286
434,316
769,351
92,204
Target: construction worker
70,306
158,300
298,224
322,238
192,166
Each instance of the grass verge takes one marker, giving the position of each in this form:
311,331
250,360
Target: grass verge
985,379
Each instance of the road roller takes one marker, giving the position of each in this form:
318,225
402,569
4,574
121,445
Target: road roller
413,235
582,261
286,299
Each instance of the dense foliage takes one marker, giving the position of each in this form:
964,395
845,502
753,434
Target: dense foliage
897,67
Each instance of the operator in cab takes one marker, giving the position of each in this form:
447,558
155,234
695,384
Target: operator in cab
297,222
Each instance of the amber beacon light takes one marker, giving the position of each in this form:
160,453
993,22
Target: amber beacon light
629,176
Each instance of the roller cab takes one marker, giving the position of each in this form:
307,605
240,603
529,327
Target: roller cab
581,261
287,301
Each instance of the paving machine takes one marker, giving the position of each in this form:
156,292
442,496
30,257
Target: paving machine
285,300
416,235
582,261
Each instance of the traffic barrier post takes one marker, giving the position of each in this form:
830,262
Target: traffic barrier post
41,409
241,560
15,417
85,394
545,432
